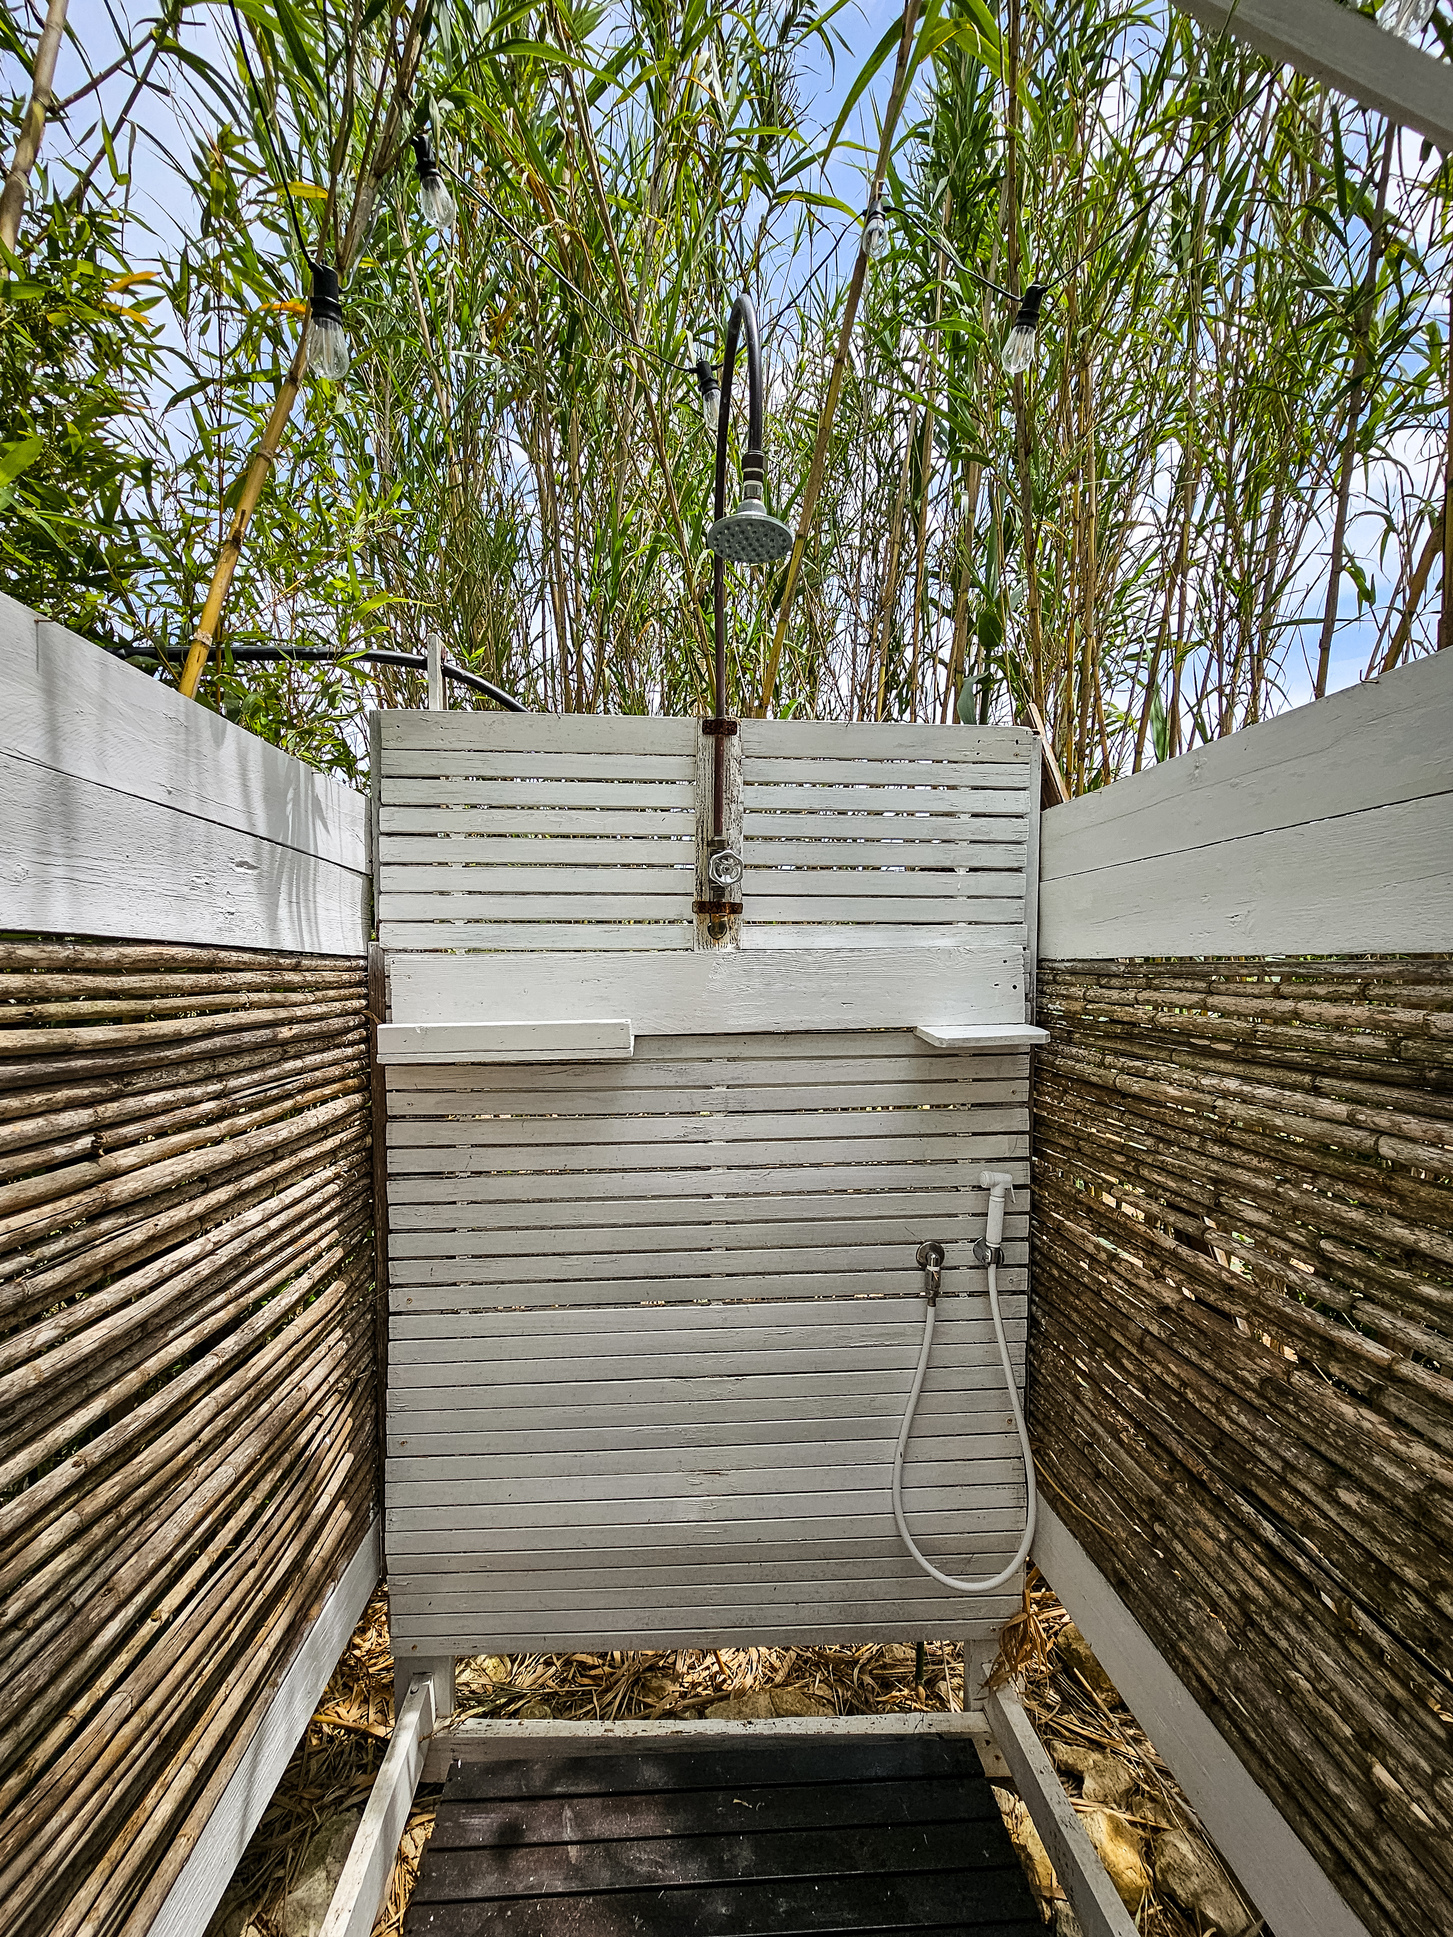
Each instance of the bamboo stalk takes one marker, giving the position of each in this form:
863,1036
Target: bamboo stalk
89,1532
151,1157
240,1014
44,1065
192,1638
120,1126
32,124
101,1623
58,1382
90,957
818,463
135,1297
128,1188
17,1512
224,1733
196,1076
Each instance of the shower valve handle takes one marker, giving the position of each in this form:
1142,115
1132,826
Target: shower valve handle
930,1261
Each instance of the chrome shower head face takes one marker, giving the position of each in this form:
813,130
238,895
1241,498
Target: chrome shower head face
750,535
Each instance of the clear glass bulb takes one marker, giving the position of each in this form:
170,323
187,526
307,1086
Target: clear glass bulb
328,354
875,232
1018,351
711,406
436,202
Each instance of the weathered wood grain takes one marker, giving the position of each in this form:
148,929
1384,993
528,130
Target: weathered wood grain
187,1335
1241,1390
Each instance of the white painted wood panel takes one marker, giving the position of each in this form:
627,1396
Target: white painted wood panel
127,810
844,834
789,1534
642,1191
718,992
1329,830
603,1041
577,832
80,859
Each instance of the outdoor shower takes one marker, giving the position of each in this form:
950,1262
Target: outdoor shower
750,536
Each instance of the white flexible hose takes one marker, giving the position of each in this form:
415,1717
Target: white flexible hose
987,1585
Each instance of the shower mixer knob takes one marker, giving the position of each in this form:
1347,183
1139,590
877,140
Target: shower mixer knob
930,1260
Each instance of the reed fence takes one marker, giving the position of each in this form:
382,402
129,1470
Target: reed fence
187,1413
1241,1395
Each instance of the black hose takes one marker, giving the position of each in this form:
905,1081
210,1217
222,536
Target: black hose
321,655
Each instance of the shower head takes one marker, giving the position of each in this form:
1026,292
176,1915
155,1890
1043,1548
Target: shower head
750,535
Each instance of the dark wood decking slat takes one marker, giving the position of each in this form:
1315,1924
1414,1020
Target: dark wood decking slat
776,1764
874,1836
996,1904
671,1862
515,1822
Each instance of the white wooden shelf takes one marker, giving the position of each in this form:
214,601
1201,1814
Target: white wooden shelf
598,1041
982,1035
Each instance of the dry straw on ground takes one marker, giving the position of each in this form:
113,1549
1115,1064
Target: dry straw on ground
1128,1798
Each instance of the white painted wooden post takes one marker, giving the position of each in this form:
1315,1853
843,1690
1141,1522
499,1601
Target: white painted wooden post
359,1891
1082,1875
434,647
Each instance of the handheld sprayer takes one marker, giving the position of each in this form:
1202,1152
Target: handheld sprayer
988,1251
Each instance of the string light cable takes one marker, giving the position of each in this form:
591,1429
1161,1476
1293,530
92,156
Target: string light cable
328,342
1018,351
623,336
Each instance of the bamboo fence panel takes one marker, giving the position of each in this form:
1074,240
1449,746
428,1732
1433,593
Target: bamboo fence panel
188,1448
1240,1382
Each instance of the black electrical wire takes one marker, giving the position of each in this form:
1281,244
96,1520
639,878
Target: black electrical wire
321,655
265,122
794,301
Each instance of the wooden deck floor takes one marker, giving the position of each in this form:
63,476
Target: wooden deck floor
885,1835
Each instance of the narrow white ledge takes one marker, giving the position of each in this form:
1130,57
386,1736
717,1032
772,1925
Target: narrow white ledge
982,1035
603,1041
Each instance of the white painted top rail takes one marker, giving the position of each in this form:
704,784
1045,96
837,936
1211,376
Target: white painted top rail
1329,830
127,810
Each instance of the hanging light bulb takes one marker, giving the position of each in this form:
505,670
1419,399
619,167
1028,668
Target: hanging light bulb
328,340
434,198
1019,344
875,228
710,389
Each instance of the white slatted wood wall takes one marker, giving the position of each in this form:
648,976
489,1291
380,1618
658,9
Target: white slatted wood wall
127,810
654,1321
692,1476
508,831
885,834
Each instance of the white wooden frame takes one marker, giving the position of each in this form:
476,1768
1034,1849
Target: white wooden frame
717,992
127,810
358,1894
1328,830
1272,1864
1083,1877
1338,45
189,1904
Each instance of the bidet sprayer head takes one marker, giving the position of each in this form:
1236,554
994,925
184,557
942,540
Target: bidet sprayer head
996,1182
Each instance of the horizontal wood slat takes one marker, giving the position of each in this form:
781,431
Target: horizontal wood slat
918,830
128,810
186,1390
547,832
1240,1381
